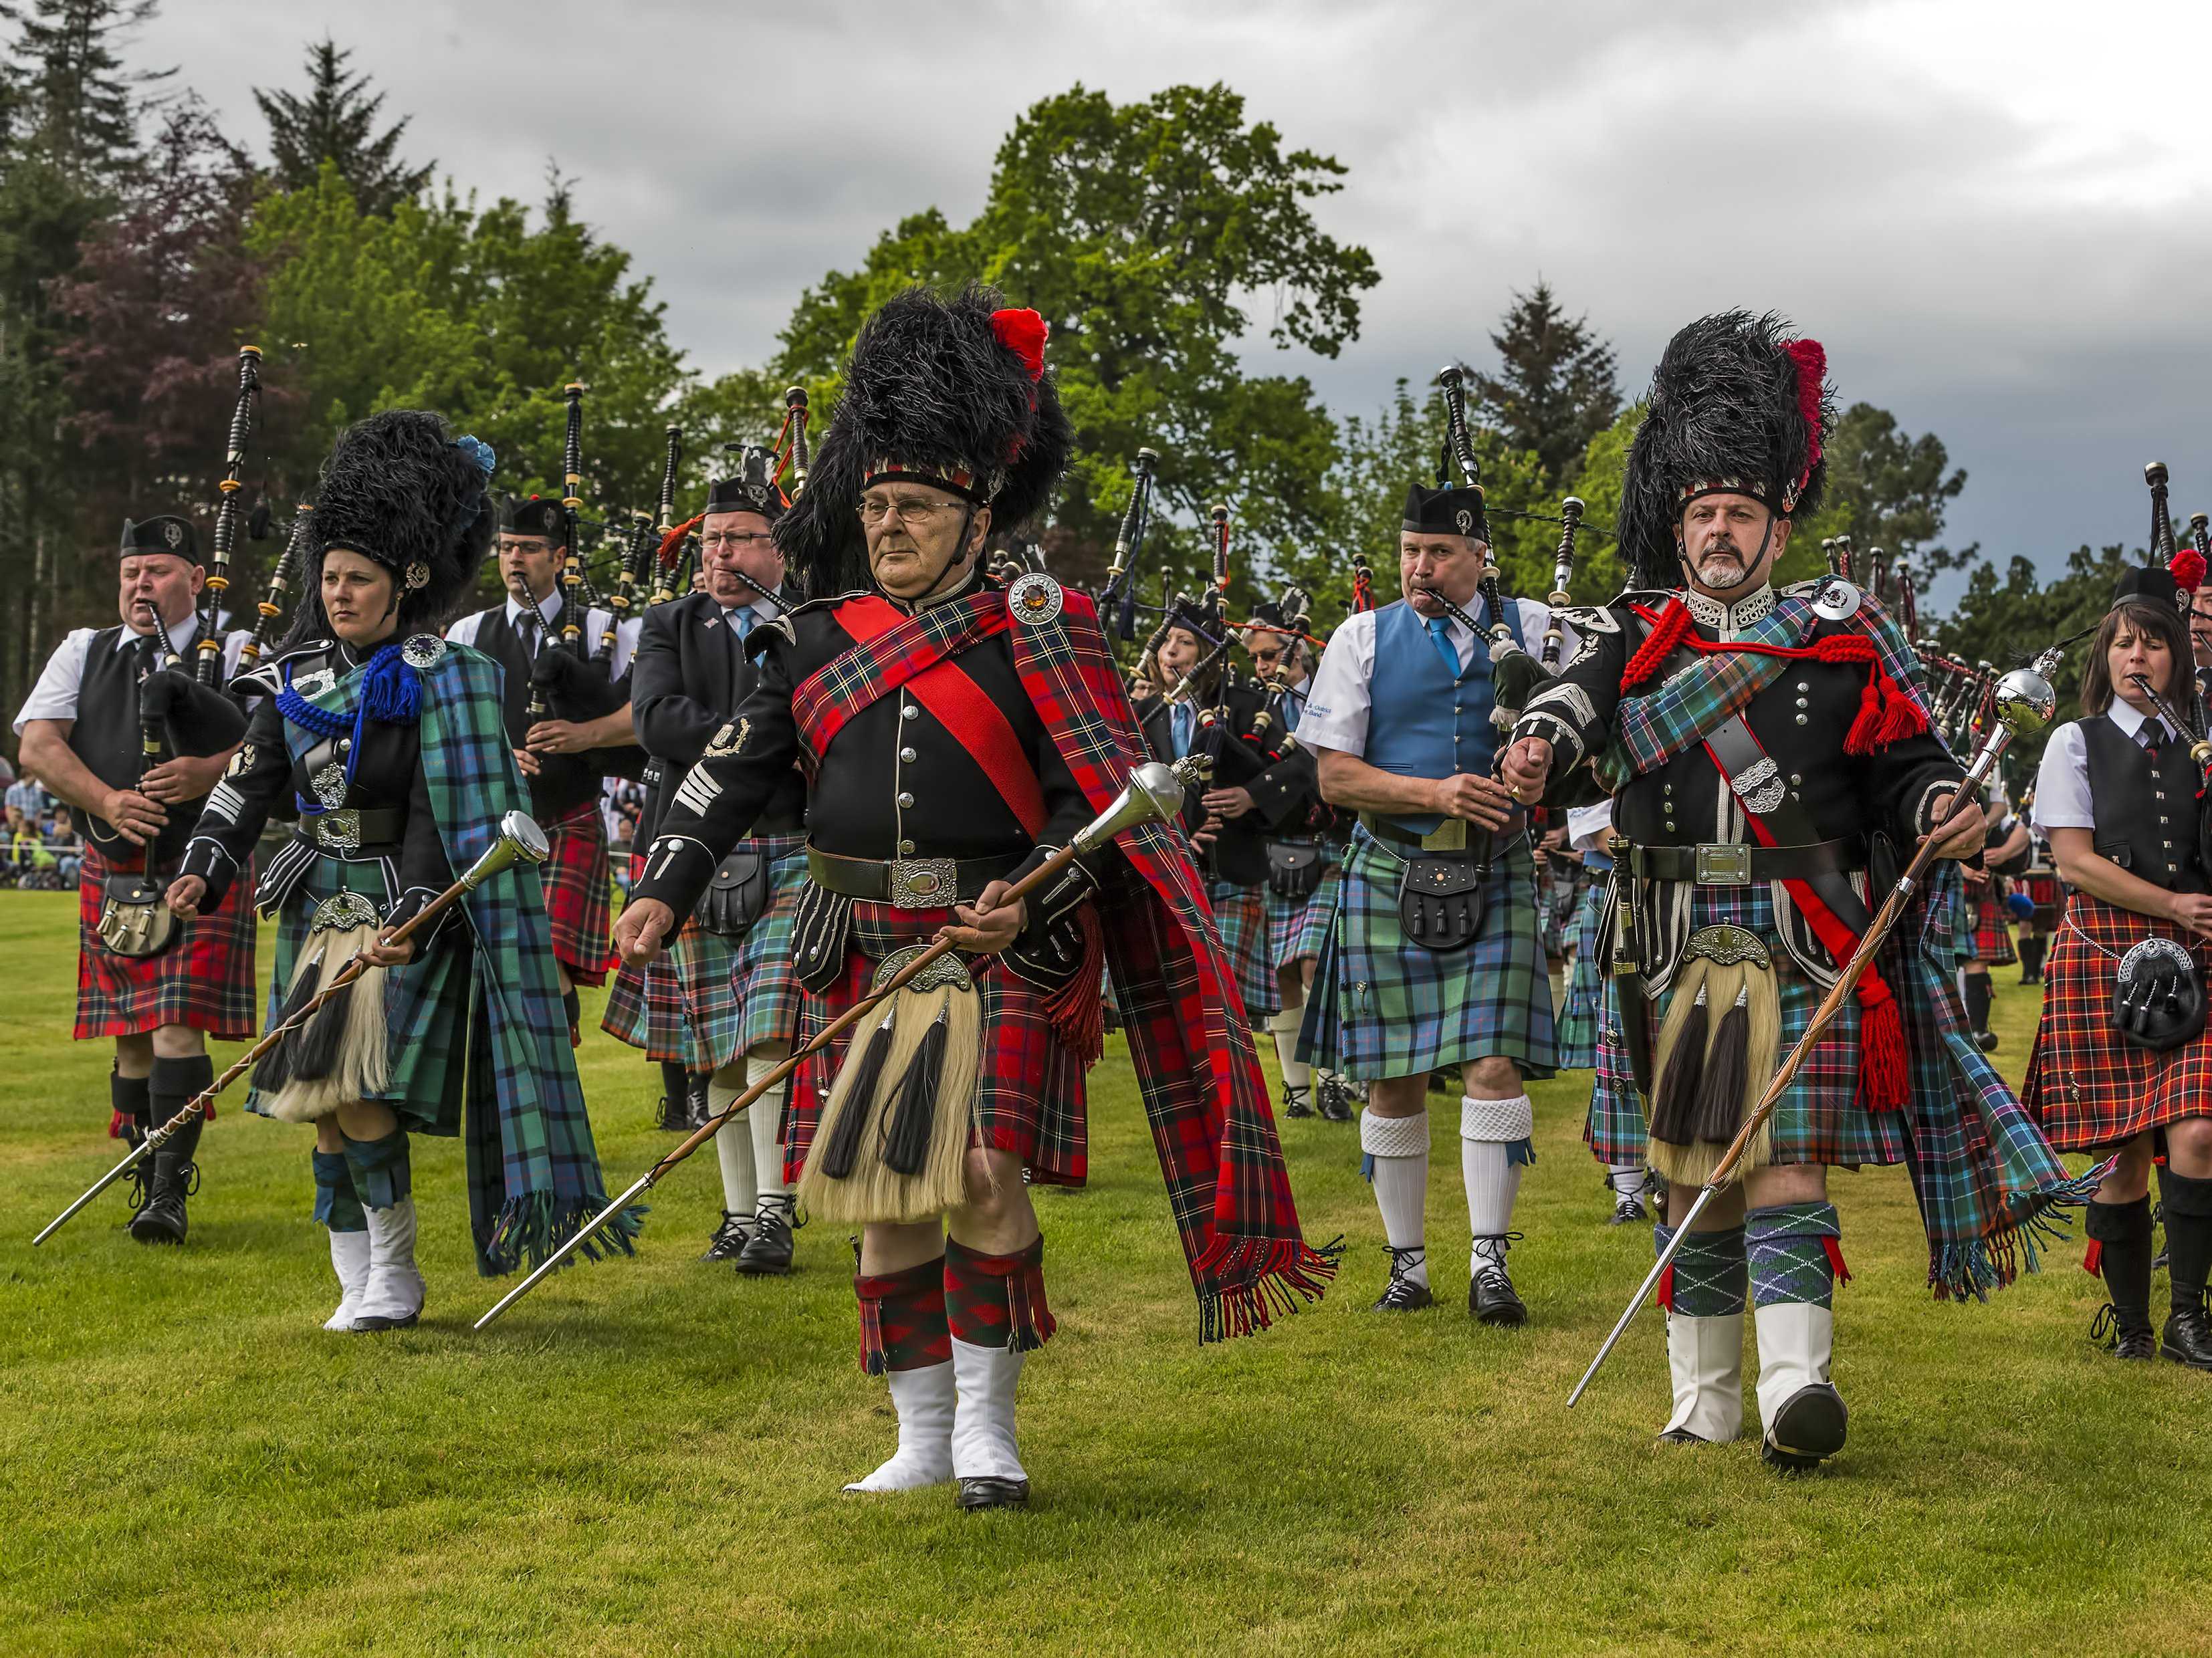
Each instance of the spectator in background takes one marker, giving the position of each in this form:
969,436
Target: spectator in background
24,795
61,839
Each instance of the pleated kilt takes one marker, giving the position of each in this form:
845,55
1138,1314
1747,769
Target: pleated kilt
1298,927
739,993
2086,1086
645,1009
579,881
1241,912
1820,1119
203,981
2043,889
1391,1009
1029,1097
1586,1003
1992,938
427,1003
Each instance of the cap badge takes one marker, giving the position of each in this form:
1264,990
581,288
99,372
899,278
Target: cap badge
174,533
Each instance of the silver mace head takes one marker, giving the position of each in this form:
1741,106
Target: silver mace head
1153,794
520,840
2024,701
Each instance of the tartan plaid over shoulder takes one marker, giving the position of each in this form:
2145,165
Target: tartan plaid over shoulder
1203,1091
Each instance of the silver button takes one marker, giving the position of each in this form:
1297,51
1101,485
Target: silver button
905,799
906,848
1795,779
909,712
1802,686
1670,828
346,744
1801,720
1802,703
907,755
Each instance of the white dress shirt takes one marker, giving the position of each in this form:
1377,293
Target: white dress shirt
1342,690
54,697
464,632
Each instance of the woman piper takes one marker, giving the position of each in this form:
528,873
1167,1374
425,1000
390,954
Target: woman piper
388,741
2117,794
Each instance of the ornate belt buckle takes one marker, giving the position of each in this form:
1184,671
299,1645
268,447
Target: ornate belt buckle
1727,945
338,831
1728,866
947,969
924,883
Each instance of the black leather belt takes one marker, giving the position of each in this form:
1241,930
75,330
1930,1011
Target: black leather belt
911,883
1739,866
349,830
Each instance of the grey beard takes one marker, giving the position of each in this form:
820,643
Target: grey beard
1743,577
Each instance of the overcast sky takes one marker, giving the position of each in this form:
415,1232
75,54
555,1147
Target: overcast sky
1993,212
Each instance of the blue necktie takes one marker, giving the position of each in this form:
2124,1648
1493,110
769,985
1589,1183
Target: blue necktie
742,619
1183,723
1443,643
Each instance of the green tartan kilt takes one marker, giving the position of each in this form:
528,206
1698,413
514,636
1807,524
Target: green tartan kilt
1585,1006
1241,912
737,993
1393,1008
426,1003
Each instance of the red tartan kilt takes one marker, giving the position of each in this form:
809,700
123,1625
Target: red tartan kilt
1029,1089
2087,1087
579,897
205,981
1992,942
2043,890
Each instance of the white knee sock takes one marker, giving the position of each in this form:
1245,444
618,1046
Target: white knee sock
1397,1154
1492,1135
766,1114
1284,1027
733,1149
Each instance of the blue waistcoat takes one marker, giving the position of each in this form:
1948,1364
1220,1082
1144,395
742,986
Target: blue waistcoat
1421,723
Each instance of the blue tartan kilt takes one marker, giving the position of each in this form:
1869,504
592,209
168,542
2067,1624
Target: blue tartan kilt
1298,927
1393,1008
1241,913
739,993
645,1009
1585,1006
1819,1120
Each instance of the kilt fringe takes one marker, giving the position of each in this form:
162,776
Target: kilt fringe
1956,1271
1269,1277
533,1225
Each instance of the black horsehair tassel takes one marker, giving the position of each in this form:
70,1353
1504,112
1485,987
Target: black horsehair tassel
276,1067
1673,1102
906,1147
843,1150
323,1038
1720,1094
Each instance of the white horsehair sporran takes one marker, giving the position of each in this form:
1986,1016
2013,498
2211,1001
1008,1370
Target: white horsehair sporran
343,1053
892,1142
1717,1047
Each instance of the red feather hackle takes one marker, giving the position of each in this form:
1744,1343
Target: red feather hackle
2187,569
1811,358
1023,332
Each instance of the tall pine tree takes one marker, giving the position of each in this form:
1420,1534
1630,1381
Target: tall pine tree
336,121
1554,390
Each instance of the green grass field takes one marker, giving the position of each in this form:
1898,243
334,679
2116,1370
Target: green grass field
644,1457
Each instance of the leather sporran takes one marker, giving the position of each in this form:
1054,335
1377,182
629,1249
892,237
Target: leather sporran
737,895
2158,997
134,921
1441,902
1294,871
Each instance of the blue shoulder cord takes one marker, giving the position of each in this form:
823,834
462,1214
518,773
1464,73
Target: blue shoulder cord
391,694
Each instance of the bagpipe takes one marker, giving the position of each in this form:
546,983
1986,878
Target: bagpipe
1118,599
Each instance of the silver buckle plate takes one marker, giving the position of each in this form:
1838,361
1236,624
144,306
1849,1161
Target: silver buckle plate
338,831
924,883
1728,866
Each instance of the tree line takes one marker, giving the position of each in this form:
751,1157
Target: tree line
141,245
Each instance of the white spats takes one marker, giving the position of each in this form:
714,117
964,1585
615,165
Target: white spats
1284,1027
349,1260
1626,1179
764,1117
392,1297
1493,1138
983,1418
1397,1156
1796,1343
733,1146
924,1400
1705,1358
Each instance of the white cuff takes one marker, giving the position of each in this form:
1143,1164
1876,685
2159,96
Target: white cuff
1496,1119
1394,1136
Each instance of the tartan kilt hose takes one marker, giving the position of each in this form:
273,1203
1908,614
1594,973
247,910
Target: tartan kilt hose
1029,1097
2086,1086
1241,912
1391,1009
1298,927
203,981
1992,938
579,882
1585,1004
739,993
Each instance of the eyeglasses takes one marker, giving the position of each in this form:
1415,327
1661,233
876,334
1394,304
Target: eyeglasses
911,509
733,542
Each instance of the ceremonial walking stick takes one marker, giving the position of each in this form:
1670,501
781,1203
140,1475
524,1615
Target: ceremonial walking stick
519,838
2025,704
1152,794
209,668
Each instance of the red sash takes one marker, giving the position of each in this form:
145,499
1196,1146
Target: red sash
893,649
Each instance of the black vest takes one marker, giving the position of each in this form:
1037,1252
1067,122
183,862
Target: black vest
564,781
105,735
2149,814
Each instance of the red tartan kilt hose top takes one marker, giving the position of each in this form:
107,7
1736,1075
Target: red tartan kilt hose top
2087,1087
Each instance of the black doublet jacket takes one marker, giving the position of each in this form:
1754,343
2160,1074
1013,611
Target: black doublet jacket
564,781
895,782
1279,791
388,788
1801,719
688,678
